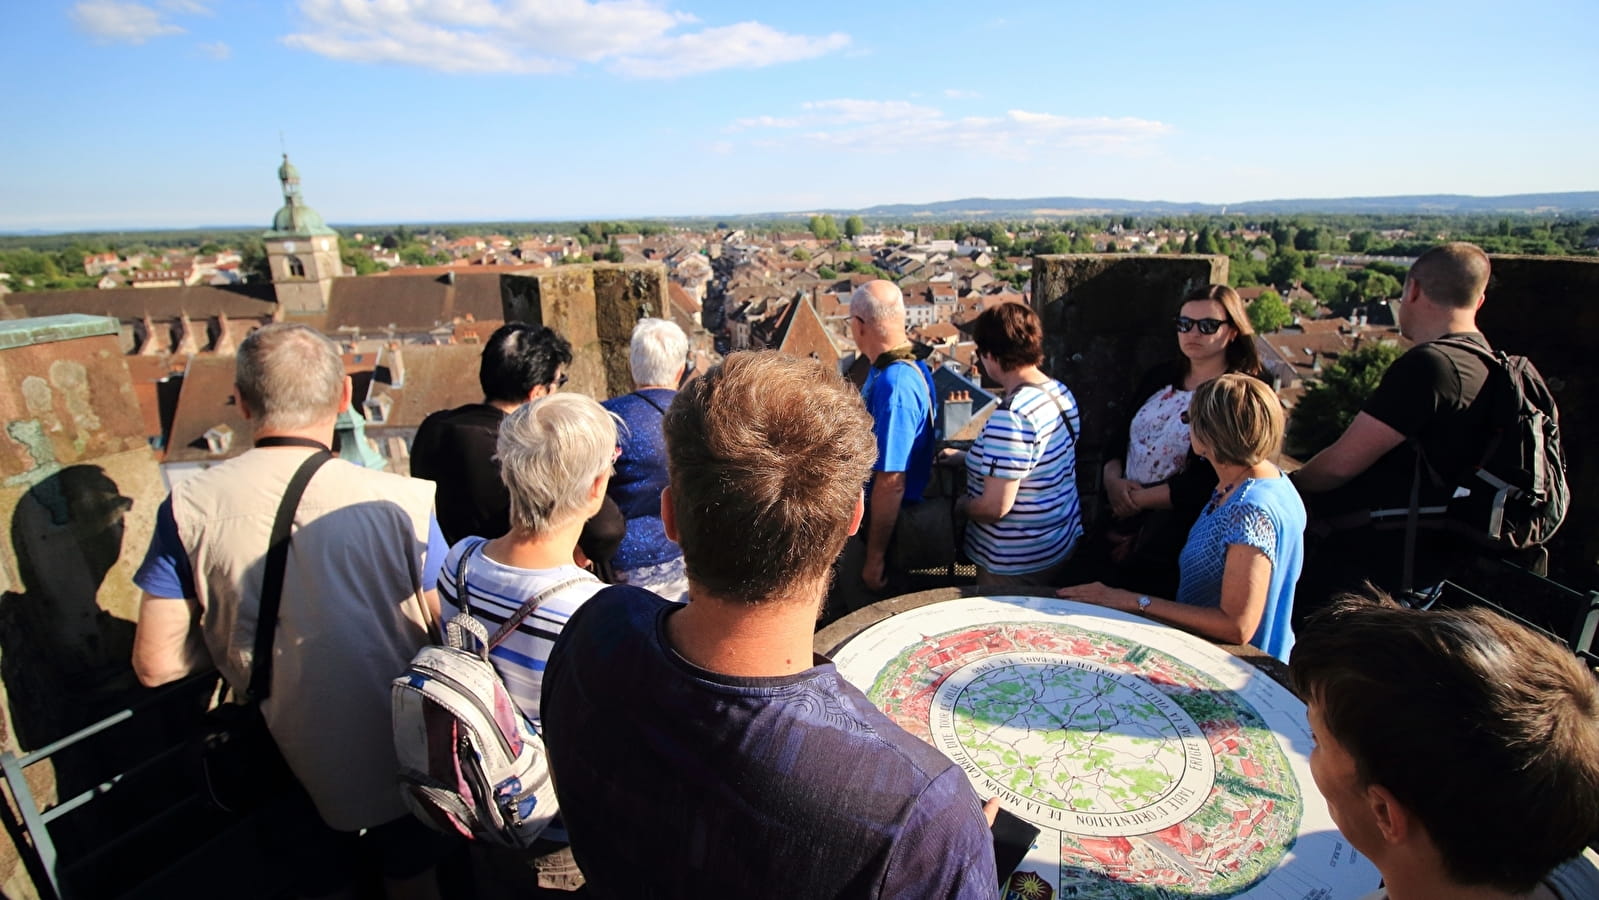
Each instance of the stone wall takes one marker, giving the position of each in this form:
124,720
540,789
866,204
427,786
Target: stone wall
1547,309
594,307
79,488
1107,318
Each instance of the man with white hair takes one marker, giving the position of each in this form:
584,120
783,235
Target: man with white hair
899,396
647,558
363,560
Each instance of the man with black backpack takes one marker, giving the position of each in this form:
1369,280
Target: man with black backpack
1456,454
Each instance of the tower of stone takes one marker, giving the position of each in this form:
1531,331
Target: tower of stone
301,249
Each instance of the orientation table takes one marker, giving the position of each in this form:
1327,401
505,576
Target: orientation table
1154,762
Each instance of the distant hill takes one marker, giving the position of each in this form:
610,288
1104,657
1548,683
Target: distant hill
1580,202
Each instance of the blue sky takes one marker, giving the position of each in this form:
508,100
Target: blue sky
167,113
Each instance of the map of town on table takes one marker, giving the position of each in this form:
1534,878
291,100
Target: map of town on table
1155,763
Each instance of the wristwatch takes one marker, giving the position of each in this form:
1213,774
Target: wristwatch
1143,604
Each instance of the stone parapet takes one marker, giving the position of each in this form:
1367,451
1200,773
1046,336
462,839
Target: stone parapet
594,307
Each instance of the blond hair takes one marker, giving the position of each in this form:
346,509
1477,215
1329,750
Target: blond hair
1238,419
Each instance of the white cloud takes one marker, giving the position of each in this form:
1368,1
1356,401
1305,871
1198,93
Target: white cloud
217,50
110,21
891,126
637,38
187,7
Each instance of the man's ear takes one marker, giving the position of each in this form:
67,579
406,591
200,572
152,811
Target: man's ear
1393,821
860,512
346,393
668,515
244,408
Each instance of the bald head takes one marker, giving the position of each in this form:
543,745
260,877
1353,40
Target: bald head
1454,275
879,304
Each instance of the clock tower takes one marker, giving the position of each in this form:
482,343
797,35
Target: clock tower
301,249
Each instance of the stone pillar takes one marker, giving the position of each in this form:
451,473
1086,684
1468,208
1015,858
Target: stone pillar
1107,318
79,488
1547,309
594,307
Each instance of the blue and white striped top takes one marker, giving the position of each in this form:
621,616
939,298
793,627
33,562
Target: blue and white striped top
497,592
1030,442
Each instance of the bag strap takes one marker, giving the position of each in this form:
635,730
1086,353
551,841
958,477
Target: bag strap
932,392
658,408
1407,580
277,559
531,604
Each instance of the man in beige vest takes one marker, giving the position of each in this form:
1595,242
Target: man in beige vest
362,563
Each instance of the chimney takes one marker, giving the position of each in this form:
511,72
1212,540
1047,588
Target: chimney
957,412
187,345
394,361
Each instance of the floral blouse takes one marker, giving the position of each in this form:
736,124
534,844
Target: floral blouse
1157,447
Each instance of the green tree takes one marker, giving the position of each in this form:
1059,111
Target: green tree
1361,241
1206,242
1285,268
827,273
854,227
1329,406
1269,313
824,228
358,259
612,254
1080,244
1188,243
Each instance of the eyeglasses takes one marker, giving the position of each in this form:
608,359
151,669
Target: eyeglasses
1206,326
1183,417
561,380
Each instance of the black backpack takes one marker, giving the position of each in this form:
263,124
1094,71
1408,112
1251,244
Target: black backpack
1516,495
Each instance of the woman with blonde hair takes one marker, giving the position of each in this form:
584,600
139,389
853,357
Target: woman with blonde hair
1243,556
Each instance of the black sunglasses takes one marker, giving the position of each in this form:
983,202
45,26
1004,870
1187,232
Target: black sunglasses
561,381
1206,326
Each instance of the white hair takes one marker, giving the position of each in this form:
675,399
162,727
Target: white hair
550,451
289,375
659,352
879,304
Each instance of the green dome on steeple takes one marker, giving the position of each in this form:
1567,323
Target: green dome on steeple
295,219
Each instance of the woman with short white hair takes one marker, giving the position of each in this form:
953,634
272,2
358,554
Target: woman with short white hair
658,356
555,457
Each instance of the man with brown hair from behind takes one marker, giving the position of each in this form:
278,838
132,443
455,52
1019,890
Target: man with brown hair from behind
1432,398
703,750
1457,750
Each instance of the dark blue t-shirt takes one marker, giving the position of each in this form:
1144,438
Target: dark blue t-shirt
678,782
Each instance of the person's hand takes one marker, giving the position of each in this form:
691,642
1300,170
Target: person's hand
991,810
873,574
950,456
1122,505
1099,594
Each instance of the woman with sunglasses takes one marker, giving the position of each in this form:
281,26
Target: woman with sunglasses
1156,485
1243,556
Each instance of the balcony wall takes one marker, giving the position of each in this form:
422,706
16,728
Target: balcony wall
79,488
594,307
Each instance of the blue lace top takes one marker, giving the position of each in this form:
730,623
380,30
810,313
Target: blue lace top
1264,513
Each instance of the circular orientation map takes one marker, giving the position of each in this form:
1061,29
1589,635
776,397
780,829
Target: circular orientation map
1154,763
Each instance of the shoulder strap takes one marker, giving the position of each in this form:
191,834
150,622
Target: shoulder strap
932,392
527,608
277,559
658,407
1065,417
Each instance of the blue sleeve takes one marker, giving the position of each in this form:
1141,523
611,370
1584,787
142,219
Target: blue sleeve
433,561
1251,526
897,419
946,848
165,571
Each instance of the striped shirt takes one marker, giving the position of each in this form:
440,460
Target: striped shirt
497,592
1028,442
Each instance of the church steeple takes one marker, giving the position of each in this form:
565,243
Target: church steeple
302,251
